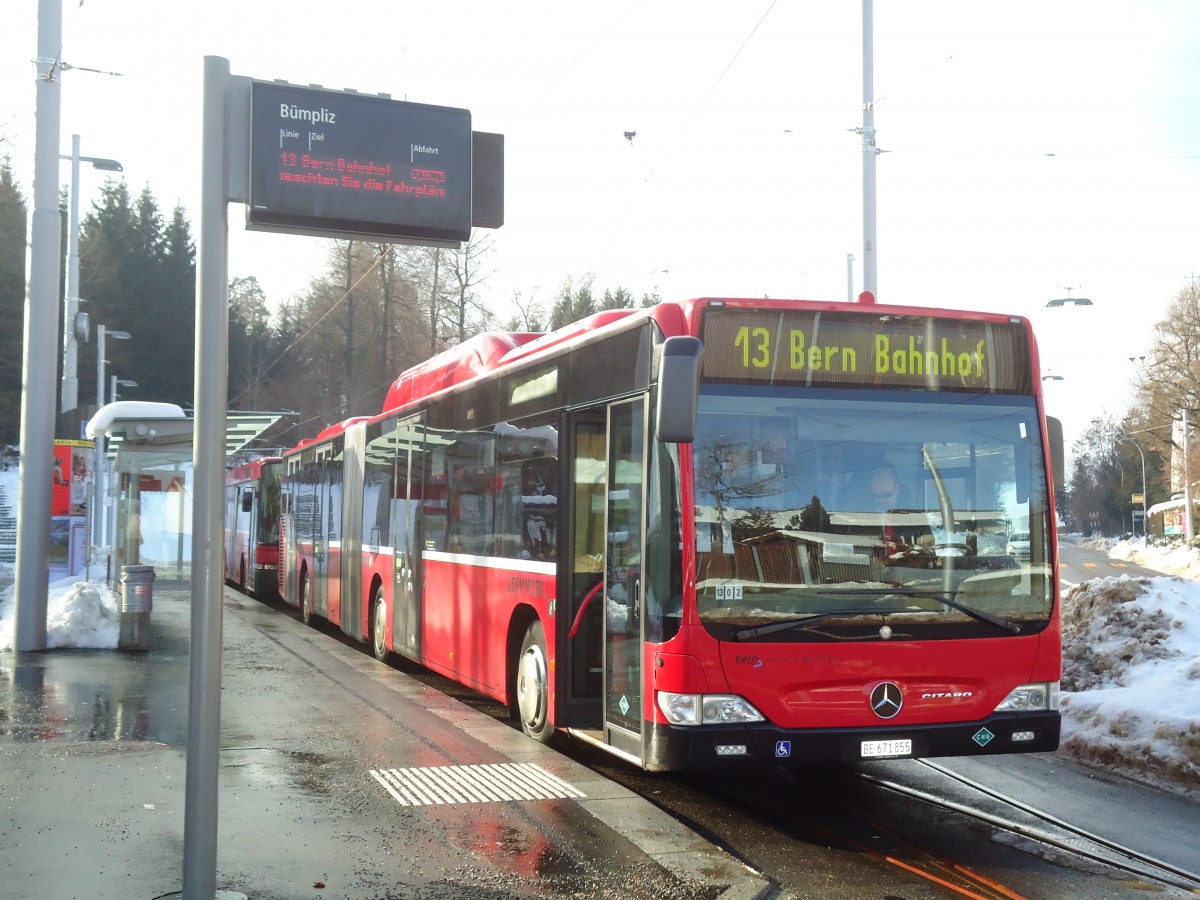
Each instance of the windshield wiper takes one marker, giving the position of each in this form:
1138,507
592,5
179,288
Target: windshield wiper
750,631
981,615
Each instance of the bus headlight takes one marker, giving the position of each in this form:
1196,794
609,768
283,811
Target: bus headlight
1040,697
707,709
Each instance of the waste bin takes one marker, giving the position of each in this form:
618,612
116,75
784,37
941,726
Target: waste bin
137,599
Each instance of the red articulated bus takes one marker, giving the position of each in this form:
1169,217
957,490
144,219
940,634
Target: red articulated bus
252,526
722,532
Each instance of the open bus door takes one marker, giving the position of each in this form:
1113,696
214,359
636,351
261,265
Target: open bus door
603,648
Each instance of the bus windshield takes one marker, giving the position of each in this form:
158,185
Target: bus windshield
830,514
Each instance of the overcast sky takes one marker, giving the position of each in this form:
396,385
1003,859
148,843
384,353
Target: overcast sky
1031,146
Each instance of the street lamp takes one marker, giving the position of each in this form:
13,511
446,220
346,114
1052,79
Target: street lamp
1069,300
1145,518
119,382
101,334
99,466
74,325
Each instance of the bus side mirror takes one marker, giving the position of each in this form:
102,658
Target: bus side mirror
679,389
1058,463
247,500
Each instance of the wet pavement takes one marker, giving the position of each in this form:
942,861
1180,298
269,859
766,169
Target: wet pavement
339,778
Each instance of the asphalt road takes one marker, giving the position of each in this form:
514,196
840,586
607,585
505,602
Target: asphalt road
1078,563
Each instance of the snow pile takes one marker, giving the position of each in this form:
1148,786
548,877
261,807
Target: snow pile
1106,633
85,616
79,614
1131,679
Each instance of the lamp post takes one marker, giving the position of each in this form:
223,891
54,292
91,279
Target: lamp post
1145,519
869,149
99,466
118,382
1188,529
32,575
75,326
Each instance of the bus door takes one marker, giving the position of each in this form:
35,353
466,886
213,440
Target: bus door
350,614
325,529
411,463
604,581
624,539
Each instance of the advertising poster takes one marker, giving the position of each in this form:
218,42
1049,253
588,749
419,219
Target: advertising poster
72,478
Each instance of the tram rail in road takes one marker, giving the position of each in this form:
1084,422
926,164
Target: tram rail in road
936,834
1046,829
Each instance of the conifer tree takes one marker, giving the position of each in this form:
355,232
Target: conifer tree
13,237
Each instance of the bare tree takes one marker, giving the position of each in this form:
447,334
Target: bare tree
465,268
1169,381
531,314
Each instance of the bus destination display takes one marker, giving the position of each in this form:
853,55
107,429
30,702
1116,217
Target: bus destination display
824,349
332,162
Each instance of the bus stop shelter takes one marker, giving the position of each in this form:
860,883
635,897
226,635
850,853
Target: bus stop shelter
148,506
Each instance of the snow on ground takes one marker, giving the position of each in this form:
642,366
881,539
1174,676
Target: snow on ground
1131,660
1131,670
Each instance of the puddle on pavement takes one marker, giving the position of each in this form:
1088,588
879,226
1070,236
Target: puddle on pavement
526,850
85,696
308,772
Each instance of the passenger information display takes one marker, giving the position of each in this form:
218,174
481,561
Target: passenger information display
334,162
829,349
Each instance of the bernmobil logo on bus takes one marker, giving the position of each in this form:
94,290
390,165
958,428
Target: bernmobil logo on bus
518,584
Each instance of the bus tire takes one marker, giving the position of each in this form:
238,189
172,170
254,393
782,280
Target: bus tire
379,617
533,686
306,610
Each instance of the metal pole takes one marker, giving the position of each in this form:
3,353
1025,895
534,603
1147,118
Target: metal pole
40,348
70,377
1138,447
208,448
99,465
1145,496
869,151
849,277
1188,530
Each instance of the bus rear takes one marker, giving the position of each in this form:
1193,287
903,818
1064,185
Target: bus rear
856,477
252,526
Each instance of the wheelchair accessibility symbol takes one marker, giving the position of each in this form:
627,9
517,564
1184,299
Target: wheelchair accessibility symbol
783,749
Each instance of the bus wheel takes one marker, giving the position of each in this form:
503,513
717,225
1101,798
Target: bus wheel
379,627
306,610
533,686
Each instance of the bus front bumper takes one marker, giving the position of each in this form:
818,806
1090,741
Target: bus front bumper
723,746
